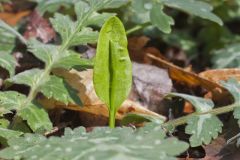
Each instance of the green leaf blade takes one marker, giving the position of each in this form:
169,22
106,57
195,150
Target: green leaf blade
203,127
101,66
112,68
8,62
8,134
52,5
86,35
197,8
64,26
200,104
233,86
7,42
72,60
45,52
149,142
81,10
50,54
134,118
58,89
160,19
98,19
12,31
36,117
116,3
10,100
30,78
121,78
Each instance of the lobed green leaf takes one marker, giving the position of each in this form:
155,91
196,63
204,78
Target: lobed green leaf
12,31
142,5
233,86
73,60
7,42
10,100
67,28
50,55
36,117
160,19
58,89
141,10
204,127
200,104
193,7
87,11
29,78
47,53
51,5
116,3
86,35
8,62
146,143
8,134
64,26
99,18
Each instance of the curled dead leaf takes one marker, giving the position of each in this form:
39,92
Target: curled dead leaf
128,106
217,75
222,97
82,81
179,74
13,18
208,80
137,47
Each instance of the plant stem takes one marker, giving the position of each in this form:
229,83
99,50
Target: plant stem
216,111
111,118
137,28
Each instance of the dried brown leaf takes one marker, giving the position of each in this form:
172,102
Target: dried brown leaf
82,81
13,18
218,75
189,78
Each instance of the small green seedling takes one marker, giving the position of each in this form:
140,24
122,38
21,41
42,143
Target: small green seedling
112,69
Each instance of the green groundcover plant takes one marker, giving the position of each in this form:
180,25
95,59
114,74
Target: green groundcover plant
23,135
112,67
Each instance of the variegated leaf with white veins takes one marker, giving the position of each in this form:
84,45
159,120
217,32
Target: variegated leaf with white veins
233,86
204,127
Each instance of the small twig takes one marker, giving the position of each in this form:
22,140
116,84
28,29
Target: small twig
216,111
233,138
56,129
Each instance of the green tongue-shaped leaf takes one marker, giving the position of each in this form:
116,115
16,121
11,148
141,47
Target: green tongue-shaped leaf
112,68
